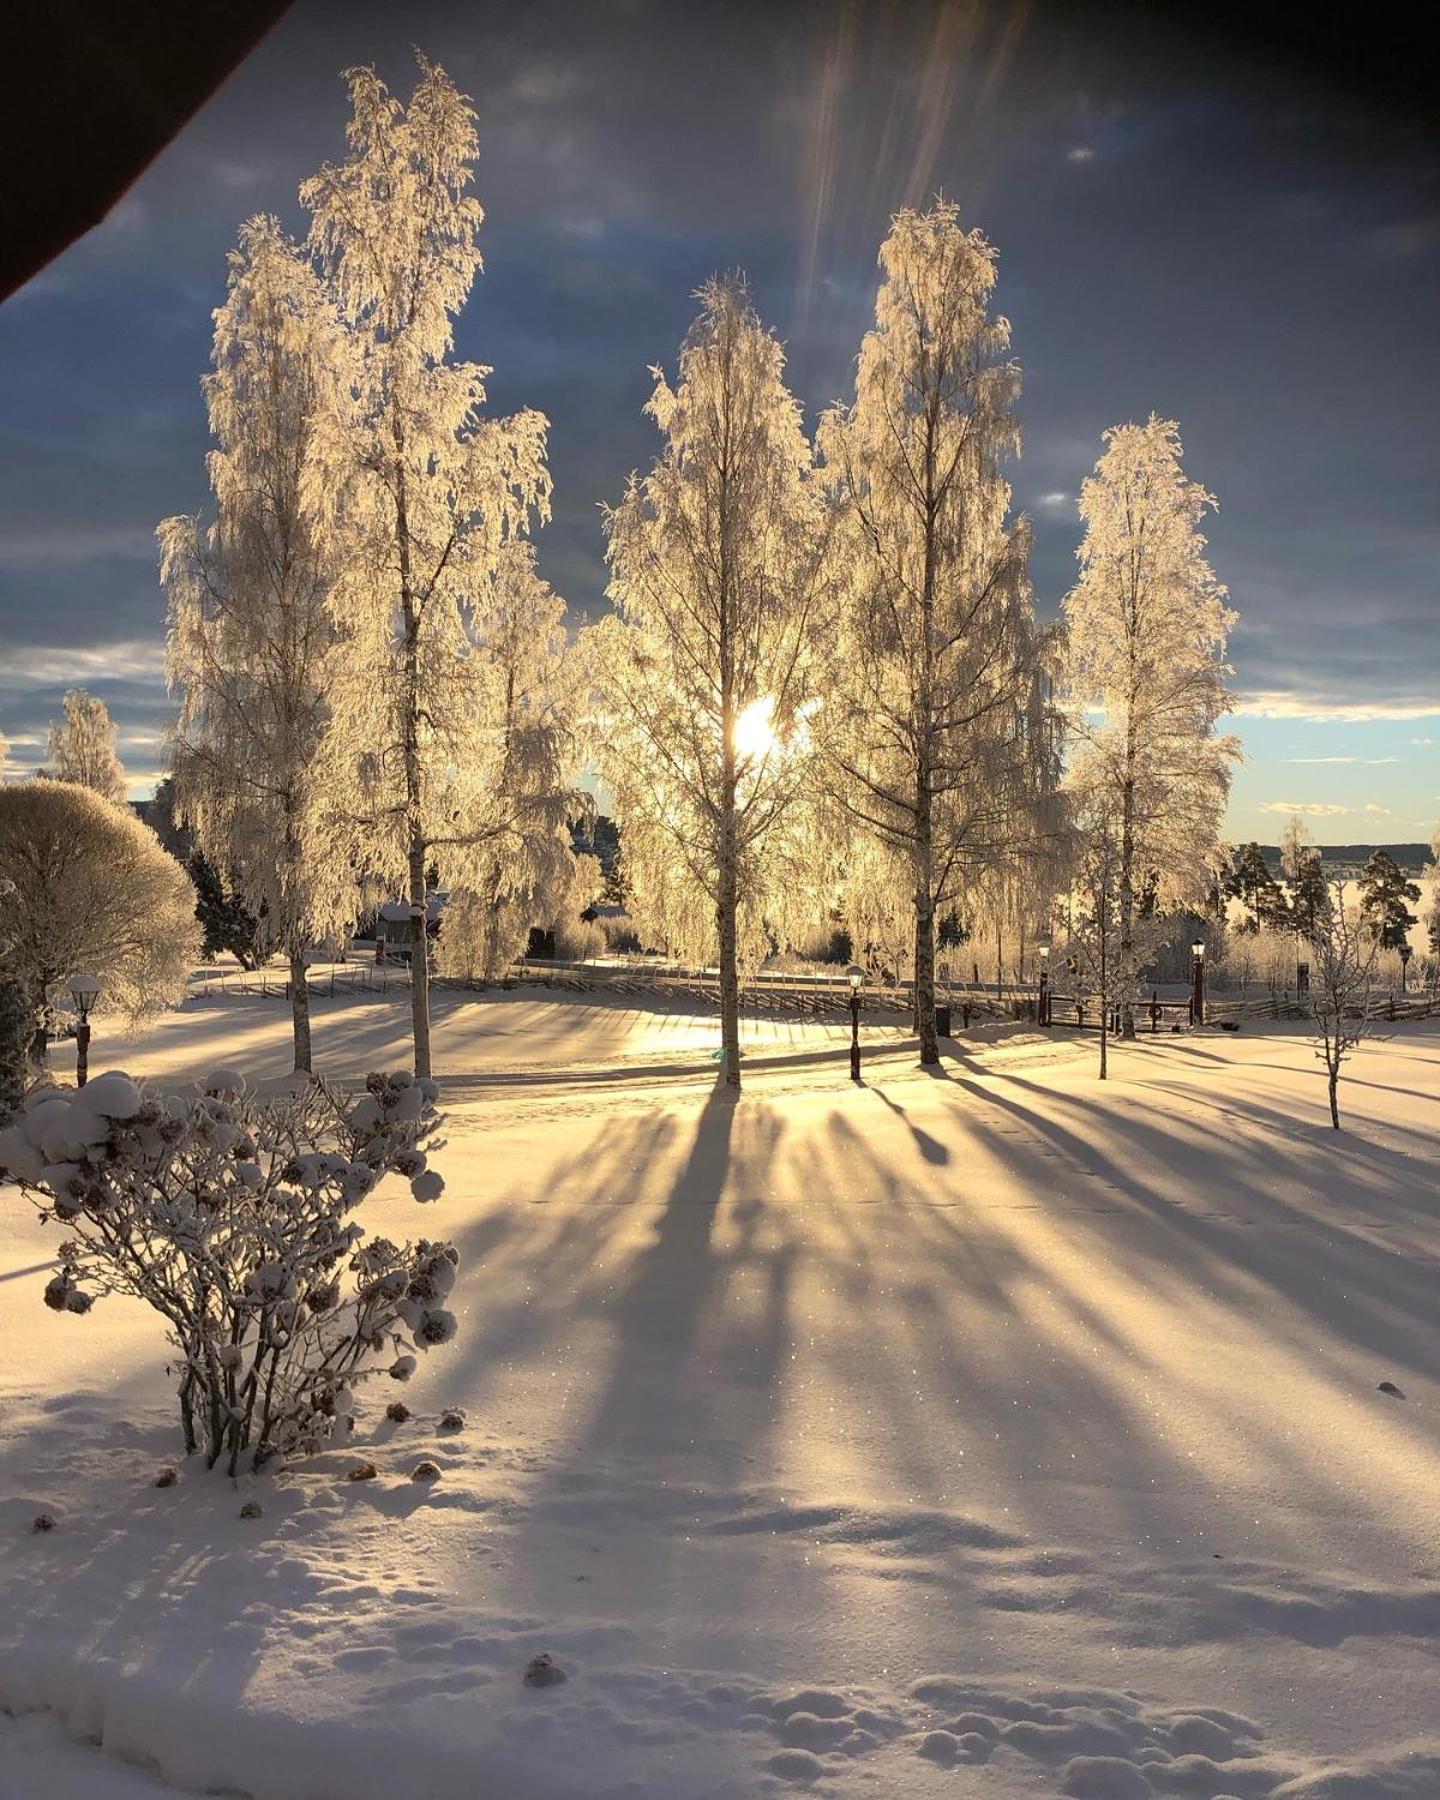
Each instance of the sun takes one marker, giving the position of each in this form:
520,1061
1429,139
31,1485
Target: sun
755,730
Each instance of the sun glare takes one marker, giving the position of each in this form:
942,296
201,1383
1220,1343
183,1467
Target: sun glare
755,730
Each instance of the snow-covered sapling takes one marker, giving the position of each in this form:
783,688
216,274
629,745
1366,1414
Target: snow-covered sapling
1343,952
232,1216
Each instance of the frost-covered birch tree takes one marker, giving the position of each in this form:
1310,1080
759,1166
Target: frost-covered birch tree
1145,674
82,747
254,650
523,792
424,492
940,738
706,675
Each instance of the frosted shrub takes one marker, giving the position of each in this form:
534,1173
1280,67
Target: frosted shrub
577,940
233,1216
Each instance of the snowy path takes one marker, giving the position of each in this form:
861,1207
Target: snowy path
1000,1434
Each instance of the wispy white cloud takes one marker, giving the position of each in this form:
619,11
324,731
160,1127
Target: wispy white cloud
1325,710
1367,762
1315,809
137,659
1082,153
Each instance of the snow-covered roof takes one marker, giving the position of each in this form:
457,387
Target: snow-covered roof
397,912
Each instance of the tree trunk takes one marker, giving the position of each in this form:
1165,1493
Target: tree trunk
300,1010
414,808
419,957
925,720
1104,926
1335,1097
925,984
729,986
726,907
1127,892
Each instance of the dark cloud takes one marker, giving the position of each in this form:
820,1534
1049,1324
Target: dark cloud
1198,227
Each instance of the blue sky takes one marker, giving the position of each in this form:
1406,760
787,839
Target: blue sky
1178,231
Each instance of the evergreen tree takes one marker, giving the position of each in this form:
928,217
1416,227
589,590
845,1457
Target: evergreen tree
1386,896
1309,895
225,920
1259,892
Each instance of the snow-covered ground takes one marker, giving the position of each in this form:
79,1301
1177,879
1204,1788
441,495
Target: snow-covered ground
995,1434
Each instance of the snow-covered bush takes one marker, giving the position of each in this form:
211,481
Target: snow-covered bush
90,887
578,940
232,1215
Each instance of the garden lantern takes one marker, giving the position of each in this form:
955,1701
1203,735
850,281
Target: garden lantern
855,975
84,991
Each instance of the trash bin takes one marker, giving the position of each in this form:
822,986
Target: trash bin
942,1021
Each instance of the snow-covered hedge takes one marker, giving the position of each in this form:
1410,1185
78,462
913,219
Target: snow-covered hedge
232,1215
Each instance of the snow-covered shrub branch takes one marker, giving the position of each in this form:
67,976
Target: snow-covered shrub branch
232,1216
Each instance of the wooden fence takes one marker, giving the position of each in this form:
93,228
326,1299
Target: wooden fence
806,994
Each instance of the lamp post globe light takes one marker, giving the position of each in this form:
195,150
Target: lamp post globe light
855,975
1197,982
84,991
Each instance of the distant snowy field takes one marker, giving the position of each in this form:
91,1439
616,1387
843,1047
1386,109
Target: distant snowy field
999,1434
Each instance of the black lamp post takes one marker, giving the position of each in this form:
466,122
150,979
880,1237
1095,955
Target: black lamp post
84,991
1044,1008
1197,983
855,975
1405,954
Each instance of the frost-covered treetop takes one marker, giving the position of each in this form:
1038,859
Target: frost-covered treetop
394,222
1147,607
83,747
